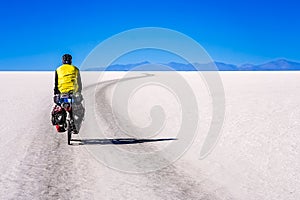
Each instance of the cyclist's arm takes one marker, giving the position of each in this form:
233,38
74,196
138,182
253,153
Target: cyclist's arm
56,91
79,82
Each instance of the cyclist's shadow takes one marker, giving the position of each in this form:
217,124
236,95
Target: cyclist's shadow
119,141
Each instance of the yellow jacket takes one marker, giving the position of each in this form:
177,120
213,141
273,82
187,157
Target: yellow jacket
67,79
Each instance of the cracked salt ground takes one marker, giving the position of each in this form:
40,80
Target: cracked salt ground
257,155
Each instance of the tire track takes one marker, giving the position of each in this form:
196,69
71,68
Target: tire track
167,183
50,168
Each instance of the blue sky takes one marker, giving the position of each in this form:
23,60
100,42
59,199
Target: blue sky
34,34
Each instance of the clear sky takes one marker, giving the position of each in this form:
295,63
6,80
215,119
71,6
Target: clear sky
34,34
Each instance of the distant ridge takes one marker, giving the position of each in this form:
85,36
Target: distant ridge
276,65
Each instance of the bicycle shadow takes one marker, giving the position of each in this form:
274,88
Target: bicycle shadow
119,141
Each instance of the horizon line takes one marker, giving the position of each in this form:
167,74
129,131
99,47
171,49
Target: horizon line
45,69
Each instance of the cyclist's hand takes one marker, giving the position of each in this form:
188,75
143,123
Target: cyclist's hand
78,97
56,98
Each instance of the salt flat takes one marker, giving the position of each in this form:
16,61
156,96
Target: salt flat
256,155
